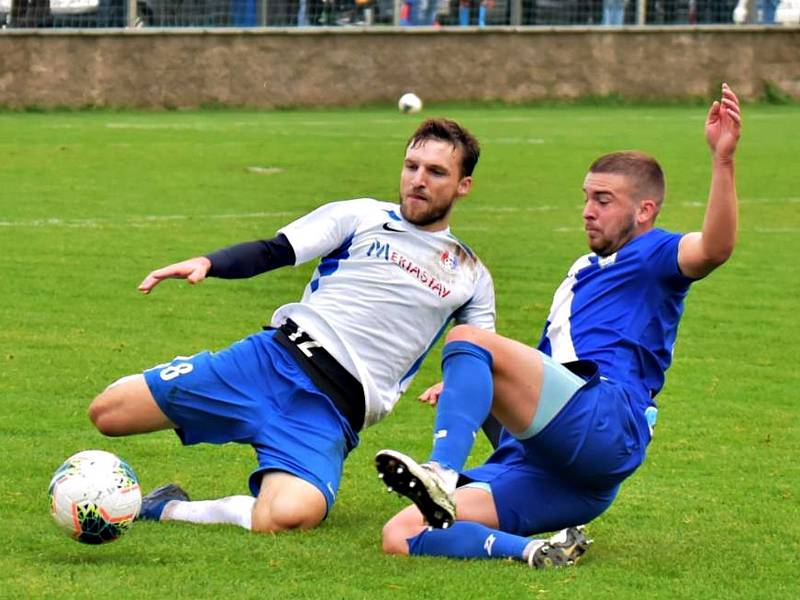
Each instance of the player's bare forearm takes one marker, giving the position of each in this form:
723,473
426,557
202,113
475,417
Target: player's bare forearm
722,213
702,252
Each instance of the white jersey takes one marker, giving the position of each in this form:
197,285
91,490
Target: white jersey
383,292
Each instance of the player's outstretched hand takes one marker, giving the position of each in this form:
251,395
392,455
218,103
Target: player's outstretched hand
431,395
193,270
724,124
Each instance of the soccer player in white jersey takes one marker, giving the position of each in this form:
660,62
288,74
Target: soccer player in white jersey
578,411
390,278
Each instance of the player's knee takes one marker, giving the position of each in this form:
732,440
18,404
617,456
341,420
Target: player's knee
105,411
464,333
101,414
395,535
287,513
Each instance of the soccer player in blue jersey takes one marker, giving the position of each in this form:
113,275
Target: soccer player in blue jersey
578,411
390,278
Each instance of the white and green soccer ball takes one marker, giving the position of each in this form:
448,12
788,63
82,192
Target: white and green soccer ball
94,497
409,103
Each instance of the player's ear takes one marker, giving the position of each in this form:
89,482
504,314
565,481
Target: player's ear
464,186
647,211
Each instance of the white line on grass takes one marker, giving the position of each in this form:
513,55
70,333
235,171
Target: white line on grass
144,220
138,221
746,201
512,209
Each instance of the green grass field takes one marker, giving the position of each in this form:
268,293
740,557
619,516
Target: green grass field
90,202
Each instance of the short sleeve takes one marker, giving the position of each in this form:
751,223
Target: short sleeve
323,230
662,259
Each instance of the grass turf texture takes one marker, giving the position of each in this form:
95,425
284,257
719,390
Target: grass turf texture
90,202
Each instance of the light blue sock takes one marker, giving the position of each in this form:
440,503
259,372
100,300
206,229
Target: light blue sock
464,404
464,539
463,15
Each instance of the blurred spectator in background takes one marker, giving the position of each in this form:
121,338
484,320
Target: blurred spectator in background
614,12
302,13
768,8
31,13
363,12
426,11
244,13
464,10
419,12
405,12
312,12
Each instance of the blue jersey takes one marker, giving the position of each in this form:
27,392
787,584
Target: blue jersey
622,312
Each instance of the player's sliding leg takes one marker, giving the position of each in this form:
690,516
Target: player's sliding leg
171,503
476,535
284,502
477,366
472,540
126,407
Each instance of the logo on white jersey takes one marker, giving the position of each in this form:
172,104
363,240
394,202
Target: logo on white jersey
388,227
384,251
449,261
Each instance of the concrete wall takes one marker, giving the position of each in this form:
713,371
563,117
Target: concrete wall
272,68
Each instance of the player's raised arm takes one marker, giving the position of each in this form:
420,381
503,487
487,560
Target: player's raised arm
701,252
193,270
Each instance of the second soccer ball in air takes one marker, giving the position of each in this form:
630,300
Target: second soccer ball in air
409,103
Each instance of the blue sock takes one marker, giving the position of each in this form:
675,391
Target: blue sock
464,539
463,15
465,402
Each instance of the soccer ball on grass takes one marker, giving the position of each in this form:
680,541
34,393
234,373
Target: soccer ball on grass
409,103
94,497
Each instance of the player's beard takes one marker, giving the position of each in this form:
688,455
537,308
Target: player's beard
623,237
433,215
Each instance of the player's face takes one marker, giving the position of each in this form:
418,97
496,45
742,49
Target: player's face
430,183
609,213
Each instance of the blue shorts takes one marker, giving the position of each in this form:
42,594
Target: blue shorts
253,392
570,472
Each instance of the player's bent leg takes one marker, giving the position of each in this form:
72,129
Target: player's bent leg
400,528
474,504
476,535
517,373
482,372
127,407
287,502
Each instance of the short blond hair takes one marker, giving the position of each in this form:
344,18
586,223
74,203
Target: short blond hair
642,169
